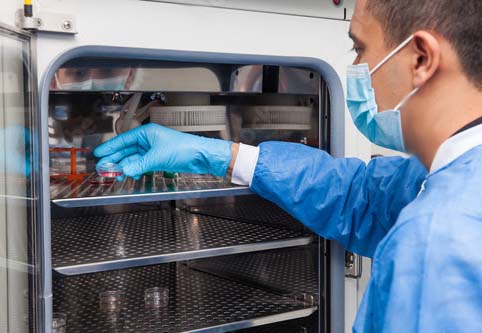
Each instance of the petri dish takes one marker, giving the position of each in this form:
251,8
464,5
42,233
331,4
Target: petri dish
109,170
171,175
101,181
156,297
59,322
111,300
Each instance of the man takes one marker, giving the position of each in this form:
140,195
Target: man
425,239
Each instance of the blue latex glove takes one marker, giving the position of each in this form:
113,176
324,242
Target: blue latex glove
156,148
15,158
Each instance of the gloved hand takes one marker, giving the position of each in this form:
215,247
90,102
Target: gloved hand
15,159
157,148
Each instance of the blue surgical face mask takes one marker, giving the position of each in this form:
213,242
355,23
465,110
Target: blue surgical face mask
110,84
113,83
382,128
78,86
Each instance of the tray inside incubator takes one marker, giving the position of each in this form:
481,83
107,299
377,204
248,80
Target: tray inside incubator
291,271
198,302
86,244
89,192
249,209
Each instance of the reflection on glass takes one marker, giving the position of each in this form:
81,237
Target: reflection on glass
115,76
16,197
93,79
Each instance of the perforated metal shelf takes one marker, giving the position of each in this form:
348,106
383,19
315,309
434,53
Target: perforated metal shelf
251,209
198,302
105,242
149,188
292,271
302,325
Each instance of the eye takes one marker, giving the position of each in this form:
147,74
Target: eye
356,49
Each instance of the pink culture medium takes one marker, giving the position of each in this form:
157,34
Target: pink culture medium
109,170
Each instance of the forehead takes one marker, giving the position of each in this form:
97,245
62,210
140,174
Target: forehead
363,25
360,6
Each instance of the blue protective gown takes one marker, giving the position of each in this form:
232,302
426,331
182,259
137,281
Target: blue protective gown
426,250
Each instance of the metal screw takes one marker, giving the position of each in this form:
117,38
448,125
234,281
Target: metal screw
39,22
159,96
117,98
67,25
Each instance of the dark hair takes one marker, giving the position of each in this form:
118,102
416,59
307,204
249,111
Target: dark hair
458,21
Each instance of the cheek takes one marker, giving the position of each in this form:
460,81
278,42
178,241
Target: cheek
391,86
385,91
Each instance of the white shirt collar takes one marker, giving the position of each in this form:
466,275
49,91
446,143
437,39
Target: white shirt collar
456,146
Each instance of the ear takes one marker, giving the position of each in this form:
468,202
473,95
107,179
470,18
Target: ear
55,84
426,57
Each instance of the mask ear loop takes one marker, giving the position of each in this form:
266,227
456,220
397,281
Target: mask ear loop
391,54
402,103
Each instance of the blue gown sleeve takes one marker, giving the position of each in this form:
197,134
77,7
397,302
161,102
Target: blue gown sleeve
341,199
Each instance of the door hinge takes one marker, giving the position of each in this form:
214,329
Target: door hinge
47,21
353,265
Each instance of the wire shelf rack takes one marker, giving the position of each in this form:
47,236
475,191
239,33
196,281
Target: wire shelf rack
198,302
292,271
86,244
88,191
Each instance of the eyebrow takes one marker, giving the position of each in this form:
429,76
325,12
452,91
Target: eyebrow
355,39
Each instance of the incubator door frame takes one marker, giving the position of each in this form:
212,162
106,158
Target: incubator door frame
21,306
334,310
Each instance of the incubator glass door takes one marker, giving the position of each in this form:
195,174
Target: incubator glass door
18,197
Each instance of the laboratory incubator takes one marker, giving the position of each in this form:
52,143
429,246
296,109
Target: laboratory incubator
87,251
229,259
